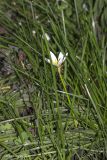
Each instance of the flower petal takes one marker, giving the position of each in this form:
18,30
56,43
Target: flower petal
66,54
54,59
47,37
47,60
60,58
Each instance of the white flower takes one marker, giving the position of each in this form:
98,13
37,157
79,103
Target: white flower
56,61
33,32
46,36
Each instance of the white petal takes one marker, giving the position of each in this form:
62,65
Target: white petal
33,32
47,37
47,60
60,58
66,54
54,59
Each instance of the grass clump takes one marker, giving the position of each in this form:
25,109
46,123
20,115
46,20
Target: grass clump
46,114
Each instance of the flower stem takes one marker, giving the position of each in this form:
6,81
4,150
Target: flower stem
69,101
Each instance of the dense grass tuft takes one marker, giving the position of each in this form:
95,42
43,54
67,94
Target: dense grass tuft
48,112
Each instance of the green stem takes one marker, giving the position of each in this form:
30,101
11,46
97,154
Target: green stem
69,101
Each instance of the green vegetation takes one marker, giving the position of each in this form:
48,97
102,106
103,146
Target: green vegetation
47,114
